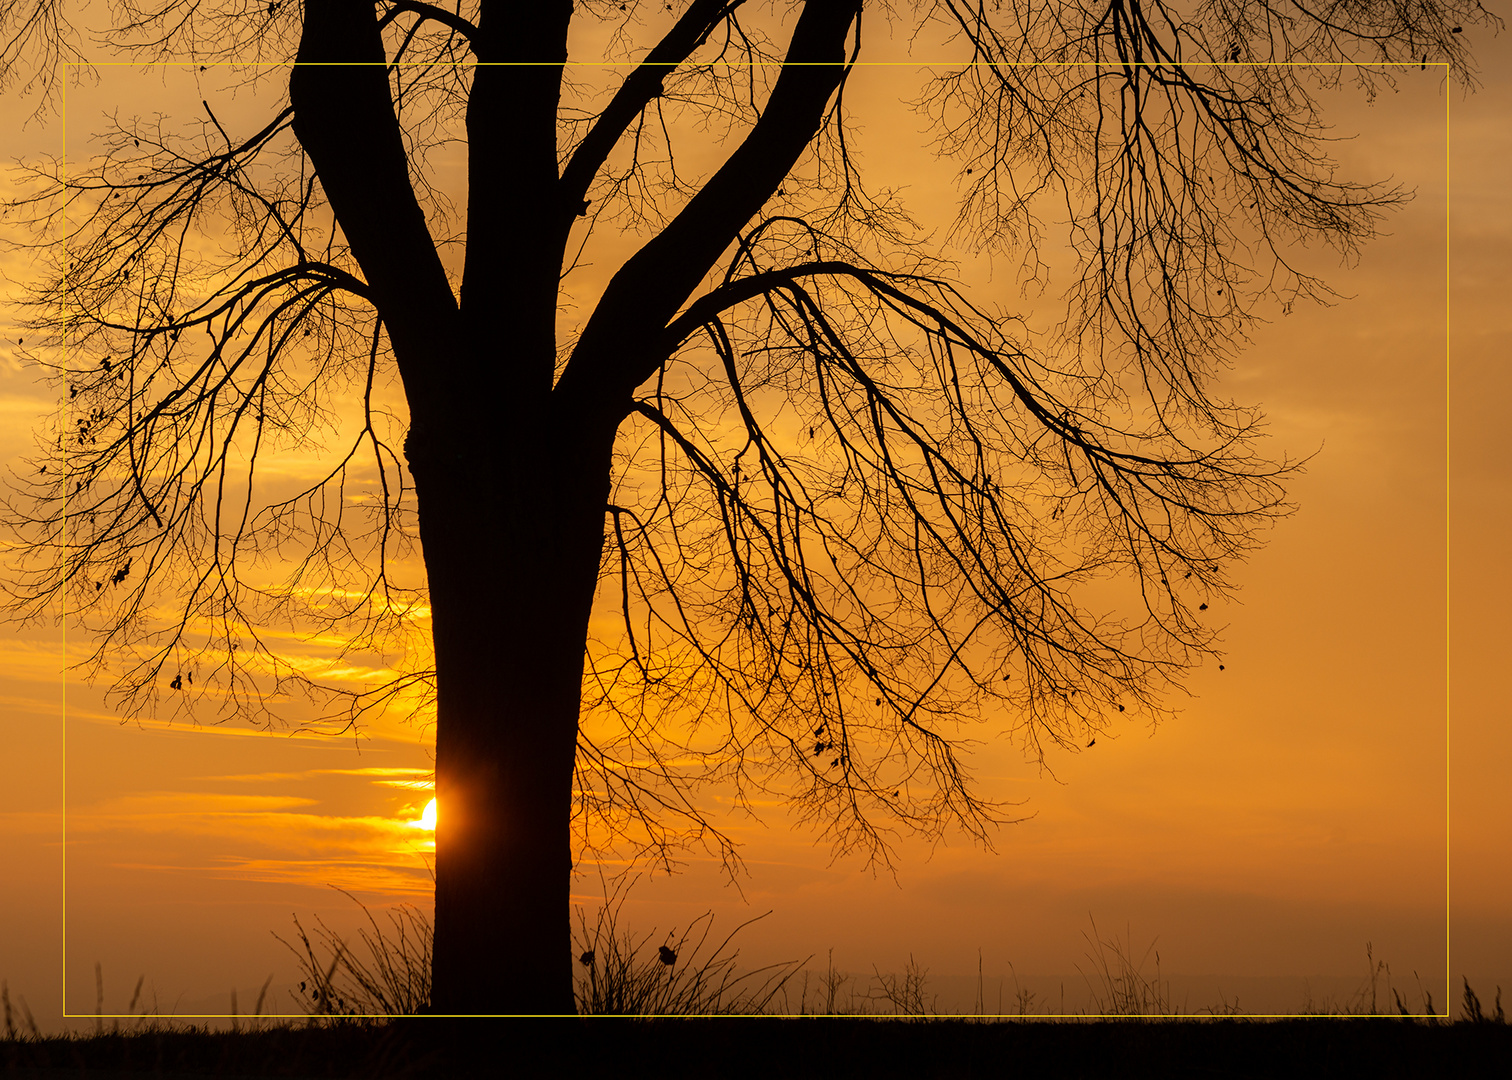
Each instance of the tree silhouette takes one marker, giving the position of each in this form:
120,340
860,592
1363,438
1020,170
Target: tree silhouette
837,511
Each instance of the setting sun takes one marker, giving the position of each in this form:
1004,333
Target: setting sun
427,818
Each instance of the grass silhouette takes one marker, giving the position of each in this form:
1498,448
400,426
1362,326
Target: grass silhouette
622,975
394,979
690,972
670,988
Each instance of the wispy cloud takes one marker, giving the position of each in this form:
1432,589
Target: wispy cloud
374,877
31,661
24,405
195,803
271,838
419,779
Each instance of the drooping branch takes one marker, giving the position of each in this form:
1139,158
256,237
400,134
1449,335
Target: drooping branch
190,372
834,615
37,40
1186,149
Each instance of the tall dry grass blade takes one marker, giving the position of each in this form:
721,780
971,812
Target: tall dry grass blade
1427,997
261,996
1123,989
31,1022
394,980
625,976
1023,997
905,993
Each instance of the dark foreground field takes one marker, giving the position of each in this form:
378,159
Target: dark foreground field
766,1048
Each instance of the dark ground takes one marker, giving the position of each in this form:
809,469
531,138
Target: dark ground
772,1049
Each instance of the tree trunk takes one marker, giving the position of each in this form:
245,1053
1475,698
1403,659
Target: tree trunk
512,474
511,500
512,536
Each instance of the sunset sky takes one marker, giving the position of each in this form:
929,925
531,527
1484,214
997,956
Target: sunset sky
1302,803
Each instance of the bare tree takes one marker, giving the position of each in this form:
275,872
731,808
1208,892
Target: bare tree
839,512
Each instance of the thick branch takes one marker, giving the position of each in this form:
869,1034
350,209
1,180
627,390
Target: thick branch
515,239
640,88
344,118
656,280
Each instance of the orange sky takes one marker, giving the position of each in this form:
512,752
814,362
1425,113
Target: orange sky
1293,811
